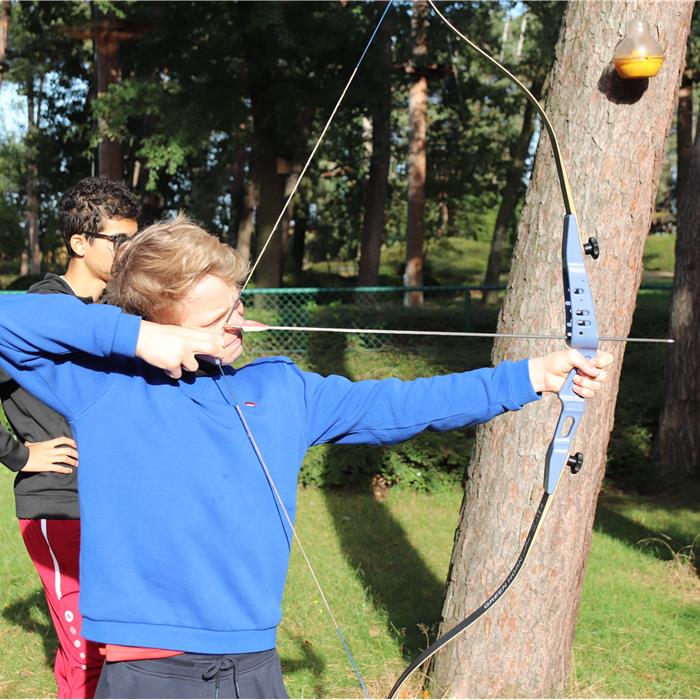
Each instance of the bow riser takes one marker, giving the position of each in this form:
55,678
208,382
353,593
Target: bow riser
582,334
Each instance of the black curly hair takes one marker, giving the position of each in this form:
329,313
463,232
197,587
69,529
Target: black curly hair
85,206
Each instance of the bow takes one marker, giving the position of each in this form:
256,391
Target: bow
581,331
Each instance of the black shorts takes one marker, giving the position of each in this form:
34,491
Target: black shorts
255,675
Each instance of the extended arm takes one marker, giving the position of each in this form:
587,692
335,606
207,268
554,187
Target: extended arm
389,411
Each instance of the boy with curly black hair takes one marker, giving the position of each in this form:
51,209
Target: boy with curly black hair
96,216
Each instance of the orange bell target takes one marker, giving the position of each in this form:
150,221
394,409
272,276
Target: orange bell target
638,55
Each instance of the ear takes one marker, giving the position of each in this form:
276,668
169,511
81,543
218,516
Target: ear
78,244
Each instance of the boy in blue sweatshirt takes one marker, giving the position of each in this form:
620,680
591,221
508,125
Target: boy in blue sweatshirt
184,553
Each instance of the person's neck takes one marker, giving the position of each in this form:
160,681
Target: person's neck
82,282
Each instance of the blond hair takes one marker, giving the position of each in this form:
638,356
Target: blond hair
159,266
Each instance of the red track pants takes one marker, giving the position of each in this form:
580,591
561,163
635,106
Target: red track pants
54,547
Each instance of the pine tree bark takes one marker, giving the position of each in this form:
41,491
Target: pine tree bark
523,647
418,117
677,448
378,181
109,154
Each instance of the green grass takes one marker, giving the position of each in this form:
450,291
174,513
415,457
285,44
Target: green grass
659,254
638,633
383,566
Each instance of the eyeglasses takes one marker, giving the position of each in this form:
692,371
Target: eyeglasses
235,305
117,240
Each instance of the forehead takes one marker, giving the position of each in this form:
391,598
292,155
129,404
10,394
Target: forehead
209,299
112,227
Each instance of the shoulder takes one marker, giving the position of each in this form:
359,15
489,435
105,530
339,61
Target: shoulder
51,284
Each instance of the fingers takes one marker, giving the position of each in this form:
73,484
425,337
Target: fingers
590,375
602,359
587,388
63,440
60,469
57,455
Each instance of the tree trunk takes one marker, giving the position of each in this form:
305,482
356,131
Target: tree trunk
290,181
378,181
299,242
239,179
4,33
32,212
246,221
107,67
684,133
270,188
417,116
523,647
509,200
678,441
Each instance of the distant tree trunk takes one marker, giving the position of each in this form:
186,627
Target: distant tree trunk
509,199
32,212
677,448
246,221
291,172
239,178
418,117
4,33
378,181
271,188
107,68
269,182
301,224
522,648
684,132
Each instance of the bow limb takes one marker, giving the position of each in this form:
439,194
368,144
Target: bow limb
581,331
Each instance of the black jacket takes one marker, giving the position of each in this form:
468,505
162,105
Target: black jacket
41,494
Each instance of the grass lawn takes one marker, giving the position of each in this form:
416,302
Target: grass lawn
383,565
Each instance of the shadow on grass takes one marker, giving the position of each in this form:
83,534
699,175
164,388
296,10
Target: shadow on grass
31,614
392,572
654,543
309,660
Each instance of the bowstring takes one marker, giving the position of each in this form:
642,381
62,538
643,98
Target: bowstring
290,523
315,148
235,404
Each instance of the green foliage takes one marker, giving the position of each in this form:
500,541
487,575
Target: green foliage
428,463
202,81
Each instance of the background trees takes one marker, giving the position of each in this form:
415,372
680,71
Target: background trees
200,105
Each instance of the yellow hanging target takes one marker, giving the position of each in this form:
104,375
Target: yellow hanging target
638,55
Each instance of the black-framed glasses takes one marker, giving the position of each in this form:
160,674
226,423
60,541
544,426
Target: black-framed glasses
117,239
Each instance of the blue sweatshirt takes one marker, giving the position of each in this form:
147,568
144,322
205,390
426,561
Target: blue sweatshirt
183,546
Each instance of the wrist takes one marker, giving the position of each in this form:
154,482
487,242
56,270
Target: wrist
536,370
